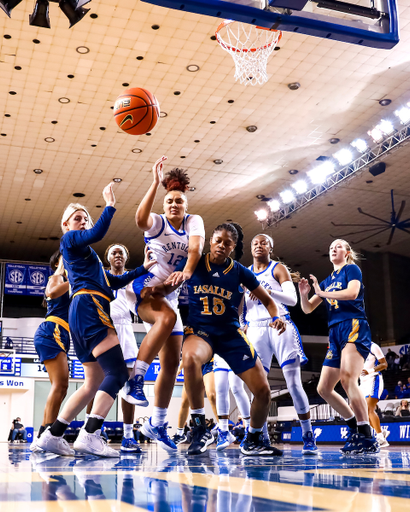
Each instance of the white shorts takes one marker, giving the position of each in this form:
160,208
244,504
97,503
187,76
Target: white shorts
372,386
128,342
178,329
286,347
220,365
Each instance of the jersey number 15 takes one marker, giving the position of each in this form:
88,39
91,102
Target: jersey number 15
218,306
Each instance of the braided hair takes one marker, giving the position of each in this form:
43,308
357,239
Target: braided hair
237,236
176,179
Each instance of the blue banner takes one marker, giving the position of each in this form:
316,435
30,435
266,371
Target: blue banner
37,278
153,370
15,282
77,369
397,433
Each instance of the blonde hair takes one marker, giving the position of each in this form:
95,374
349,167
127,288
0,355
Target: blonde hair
295,276
352,256
71,209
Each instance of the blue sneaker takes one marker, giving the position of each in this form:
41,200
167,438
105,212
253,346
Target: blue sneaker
130,445
358,443
201,439
160,435
244,438
309,444
133,392
224,440
179,439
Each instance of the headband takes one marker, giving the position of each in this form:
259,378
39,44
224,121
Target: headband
266,236
117,246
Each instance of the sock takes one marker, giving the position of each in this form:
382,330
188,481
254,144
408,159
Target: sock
198,417
363,427
247,422
94,423
140,368
180,432
223,424
380,435
351,422
86,417
158,416
41,430
265,431
58,427
254,430
128,431
306,426
254,434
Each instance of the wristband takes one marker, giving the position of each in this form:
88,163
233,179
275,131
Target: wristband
275,318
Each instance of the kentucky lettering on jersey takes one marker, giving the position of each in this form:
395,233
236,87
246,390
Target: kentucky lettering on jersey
340,310
215,293
169,246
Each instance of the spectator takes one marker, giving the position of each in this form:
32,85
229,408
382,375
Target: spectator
398,388
18,429
404,406
239,429
9,343
390,357
400,393
396,364
406,362
384,395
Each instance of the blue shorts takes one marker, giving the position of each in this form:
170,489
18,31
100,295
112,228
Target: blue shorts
355,331
89,319
233,346
137,285
50,339
208,367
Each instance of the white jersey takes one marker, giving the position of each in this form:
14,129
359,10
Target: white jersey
168,245
254,310
119,309
373,359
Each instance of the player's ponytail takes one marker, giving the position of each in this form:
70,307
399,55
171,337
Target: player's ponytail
237,236
176,179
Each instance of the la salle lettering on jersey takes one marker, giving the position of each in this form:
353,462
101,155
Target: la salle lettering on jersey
175,245
213,290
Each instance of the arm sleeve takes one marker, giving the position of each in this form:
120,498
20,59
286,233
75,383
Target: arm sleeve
195,226
248,278
117,282
353,273
157,223
181,265
288,294
96,233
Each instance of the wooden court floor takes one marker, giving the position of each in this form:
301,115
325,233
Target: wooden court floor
214,481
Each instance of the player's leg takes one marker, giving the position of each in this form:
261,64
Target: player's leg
237,387
195,353
157,427
180,436
210,389
221,376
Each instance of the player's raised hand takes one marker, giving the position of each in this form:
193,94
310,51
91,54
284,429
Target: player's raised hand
304,287
316,286
157,169
148,262
108,195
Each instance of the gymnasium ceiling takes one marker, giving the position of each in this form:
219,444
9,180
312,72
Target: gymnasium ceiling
341,86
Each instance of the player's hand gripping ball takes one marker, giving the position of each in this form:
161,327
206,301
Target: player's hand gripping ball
136,111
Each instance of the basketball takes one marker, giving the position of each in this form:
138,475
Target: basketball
136,111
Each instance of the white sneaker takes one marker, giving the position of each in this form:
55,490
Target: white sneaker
382,441
34,447
54,444
93,444
386,433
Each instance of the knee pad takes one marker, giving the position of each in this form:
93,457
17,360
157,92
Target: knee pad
115,371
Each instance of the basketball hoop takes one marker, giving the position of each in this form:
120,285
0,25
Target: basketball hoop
250,47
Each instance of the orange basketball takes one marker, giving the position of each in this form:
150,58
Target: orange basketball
136,111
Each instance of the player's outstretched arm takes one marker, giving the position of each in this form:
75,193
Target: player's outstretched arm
143,215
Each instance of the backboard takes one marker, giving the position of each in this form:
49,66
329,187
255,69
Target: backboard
371,23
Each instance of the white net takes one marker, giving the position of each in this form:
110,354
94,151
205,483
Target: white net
250,48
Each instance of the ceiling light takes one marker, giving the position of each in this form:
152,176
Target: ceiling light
260,196
155,27
40,17
261,215
334,140
64,100
78,194
73,10
163,114
136,150
8,5
192,68
82,49
300,186
386,126
274,205
403,114
360,145
218,161
37,171
293,172
49,139
287,196
192,189
294,86
376,134
117,180
321,172
344,156
252,128
384,102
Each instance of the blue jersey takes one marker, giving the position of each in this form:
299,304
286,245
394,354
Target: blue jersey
215,293
84,268
58,307
340,310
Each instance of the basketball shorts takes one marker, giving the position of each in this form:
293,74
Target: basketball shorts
233,346
208,367
133,291
372,386
355,331
220,365
127,341
286,347
50,339
89,320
